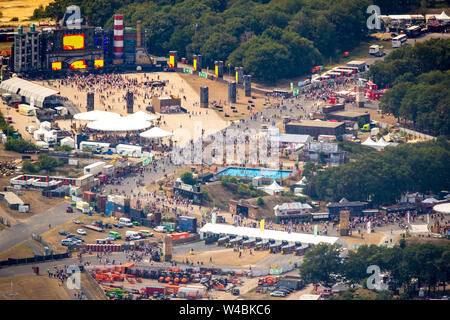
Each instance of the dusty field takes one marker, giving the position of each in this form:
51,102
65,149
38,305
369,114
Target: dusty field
182,125
224,258
373,238
17,252
218,92
32,287
22,9
54,239
38,205
20,122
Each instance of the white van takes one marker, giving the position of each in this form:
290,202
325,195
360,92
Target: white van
133,235
126,222
160,229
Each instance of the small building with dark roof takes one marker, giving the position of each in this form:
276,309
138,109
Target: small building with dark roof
315,128
359,117
355,207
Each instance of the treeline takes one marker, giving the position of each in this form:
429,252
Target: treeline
428,264
419,79
382,177
270,39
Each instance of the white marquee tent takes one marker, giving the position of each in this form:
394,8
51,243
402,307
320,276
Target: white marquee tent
141,115
27,89
155,133
96,115
119,125
274,188
442,208
380,144
443,17
268,234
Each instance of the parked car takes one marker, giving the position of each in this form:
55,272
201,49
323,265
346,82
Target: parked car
82,232
67,242
160,229
278,294
146,232
77,241
69,210
118,225
63,232
77,222
108,226
110,238
77,238
70,235
136,224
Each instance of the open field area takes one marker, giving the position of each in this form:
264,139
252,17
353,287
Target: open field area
22,9
17,252
32,287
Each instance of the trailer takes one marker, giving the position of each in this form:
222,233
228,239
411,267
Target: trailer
236,241
223,241
290,248
94,168
249,243
95,228
262,245
300,250
275,247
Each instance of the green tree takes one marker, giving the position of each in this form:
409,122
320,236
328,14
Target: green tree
320,262
188,178
47,162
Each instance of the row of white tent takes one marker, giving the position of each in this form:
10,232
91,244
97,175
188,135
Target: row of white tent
380,144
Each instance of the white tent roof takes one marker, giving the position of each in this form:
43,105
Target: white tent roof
96,115
302,182
274,187
27,89
369,142
442,208
267,234
443,16
156,132
141,115
382,142
119,125
430,200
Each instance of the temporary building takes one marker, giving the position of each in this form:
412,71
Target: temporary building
68,141
39,134
28,90
443,17
256,233
274,189
430,200
96,115
442,208
45,125
380,144
119,125
155,133
141,115
129,150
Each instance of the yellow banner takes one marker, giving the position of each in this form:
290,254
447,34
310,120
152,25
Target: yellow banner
172,61
261,225
237,76
195,64
216,71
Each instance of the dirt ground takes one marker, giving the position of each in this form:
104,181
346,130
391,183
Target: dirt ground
32,287
373,238
20,122
224,258
53,238
218,92
17,252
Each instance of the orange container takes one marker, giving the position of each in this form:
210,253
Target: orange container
170,289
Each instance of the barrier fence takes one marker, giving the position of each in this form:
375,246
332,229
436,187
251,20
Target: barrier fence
35,259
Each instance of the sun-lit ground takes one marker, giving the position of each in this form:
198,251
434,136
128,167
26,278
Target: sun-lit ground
22,9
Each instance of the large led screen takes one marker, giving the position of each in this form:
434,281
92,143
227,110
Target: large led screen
99,63
79,64
56,65
73,42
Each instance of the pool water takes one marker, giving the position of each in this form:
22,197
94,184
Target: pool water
248,172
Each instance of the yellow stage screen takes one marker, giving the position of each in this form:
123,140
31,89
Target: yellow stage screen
79,64
56,65
237,77
216,71
99,63
73,42
172,61
195,64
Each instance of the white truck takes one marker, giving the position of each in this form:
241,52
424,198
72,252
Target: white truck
375,50
94,168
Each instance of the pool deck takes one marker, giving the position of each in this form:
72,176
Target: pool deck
253,172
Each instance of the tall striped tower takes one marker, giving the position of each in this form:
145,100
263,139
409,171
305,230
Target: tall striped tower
118,36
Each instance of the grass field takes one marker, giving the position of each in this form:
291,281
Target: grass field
17,252
22,9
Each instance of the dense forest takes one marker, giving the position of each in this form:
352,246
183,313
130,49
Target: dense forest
427,263
418,78
270,39
382,177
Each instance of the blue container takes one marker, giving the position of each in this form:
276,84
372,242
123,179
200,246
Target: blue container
108,212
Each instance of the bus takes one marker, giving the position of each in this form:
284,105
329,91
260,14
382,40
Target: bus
413,32
399,41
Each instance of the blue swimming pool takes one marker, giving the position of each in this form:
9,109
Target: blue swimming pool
248,172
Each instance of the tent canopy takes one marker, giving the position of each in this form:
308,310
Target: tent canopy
28,90
96,115
443,16
442,208
430,200
274,187
119,125
155,133
141,115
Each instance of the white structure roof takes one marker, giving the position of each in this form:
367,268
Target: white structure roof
291,138
95,115
443,16
156,132
268,234
292,206
430,200
274,187
442,208
419,228
119,125
380,144
27,89
141,115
